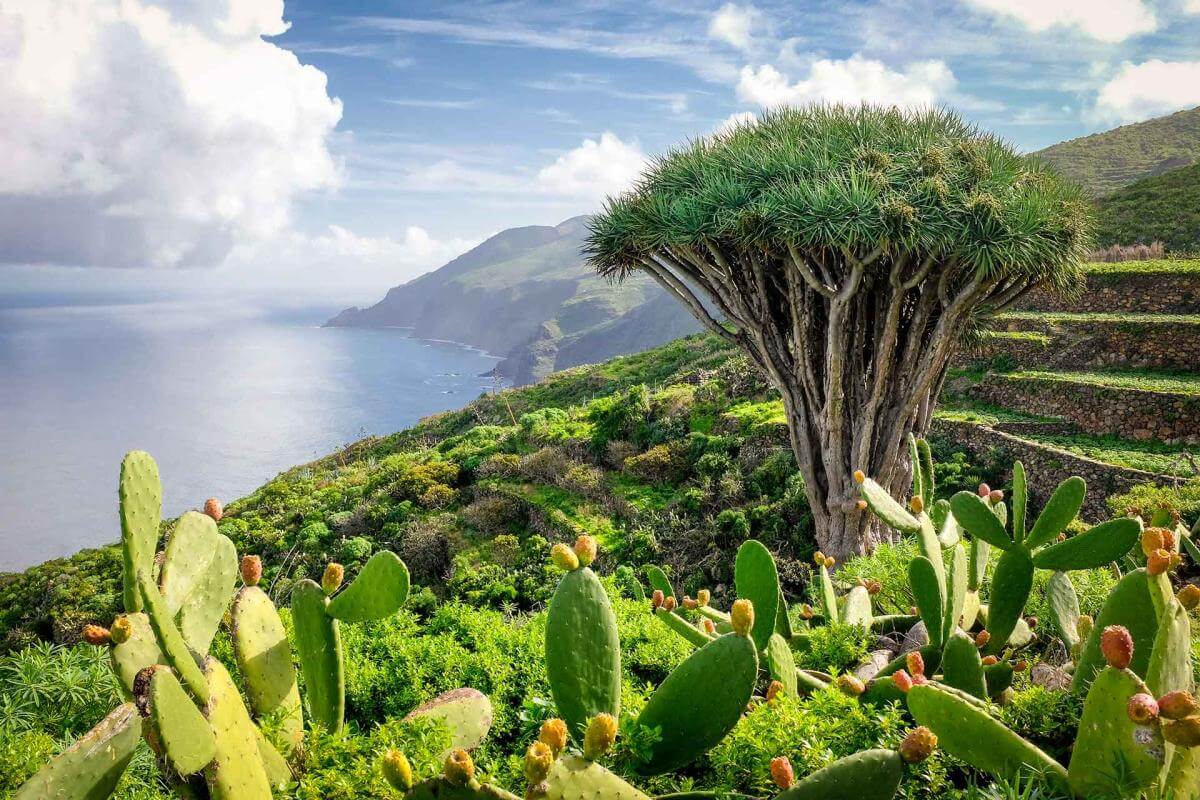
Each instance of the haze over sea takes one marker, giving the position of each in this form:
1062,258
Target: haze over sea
225,396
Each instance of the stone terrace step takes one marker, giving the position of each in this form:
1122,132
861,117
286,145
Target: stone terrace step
1171,287
1125,405
1080,340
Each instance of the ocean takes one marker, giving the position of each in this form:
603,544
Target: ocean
224,396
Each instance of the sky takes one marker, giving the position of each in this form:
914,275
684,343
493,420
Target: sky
338,147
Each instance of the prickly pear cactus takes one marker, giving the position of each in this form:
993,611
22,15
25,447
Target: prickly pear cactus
264,660
236,771
583,650
140,493
967,730
962,667
198,574
181,735
466,712
136,653
1130,606
170,640
575,778
701,700
1113,755
757,580
90,768
319,648
869,775
377,593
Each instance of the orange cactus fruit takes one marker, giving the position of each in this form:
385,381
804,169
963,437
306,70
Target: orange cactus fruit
1142,709
918,745
782,772
1117,646
213,507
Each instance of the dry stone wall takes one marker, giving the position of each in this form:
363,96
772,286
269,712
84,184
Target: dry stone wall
1115,291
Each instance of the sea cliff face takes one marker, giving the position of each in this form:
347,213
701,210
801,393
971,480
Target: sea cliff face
529,295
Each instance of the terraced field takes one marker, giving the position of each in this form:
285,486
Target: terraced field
1111,376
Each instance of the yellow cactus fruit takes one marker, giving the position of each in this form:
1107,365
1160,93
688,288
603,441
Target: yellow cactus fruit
710,627
1168,539
916,504
564,557
459,769
1182,732
806,611
1189,596
861,505
538,760
850,685
742,617
121,631
669,604
1177,705
599,737
397,770
690,604
819,558
859,476
995,497
251,568
782,772
213,507
97,635
656,599
585,549
829,562
1158,562
554,735
332,579
918,745
702,597
774,690
1152,539
874,588
915,663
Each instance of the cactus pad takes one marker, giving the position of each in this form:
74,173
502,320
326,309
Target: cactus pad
781,664
1064,608
140,493
869,775
1113,756
893,514
699,702
378,591
962,667
1129,605
1011,585
930,594
1101,545
138,652
856,608
687,630
466,712
1062,507
264,659
583,650
200,569
170,640
575,778
236,772
182,733
977,518
966,730
90,768
319,648
757,580
659,581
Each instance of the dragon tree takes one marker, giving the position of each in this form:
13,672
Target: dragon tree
847,251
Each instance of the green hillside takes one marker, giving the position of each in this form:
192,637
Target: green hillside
1105,162
1164,208
526,294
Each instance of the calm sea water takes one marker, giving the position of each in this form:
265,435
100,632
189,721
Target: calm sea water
223,397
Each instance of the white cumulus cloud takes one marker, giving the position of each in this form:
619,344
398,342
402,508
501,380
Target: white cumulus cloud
1104,20
734,25
853,80
1154,87
733,120
594,170
153,133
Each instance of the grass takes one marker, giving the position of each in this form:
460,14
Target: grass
1156,457
1063,317
1140,380
983,413
1169,265
1163,208
753,415
1017,336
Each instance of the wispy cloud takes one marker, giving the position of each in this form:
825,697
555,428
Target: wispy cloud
677,102
423,103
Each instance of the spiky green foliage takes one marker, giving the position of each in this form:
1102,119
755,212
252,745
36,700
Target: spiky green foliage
811,222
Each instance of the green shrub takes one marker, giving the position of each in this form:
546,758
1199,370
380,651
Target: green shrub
621,415
660,464
835,648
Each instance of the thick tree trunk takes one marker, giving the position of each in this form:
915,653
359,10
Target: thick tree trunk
858,347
